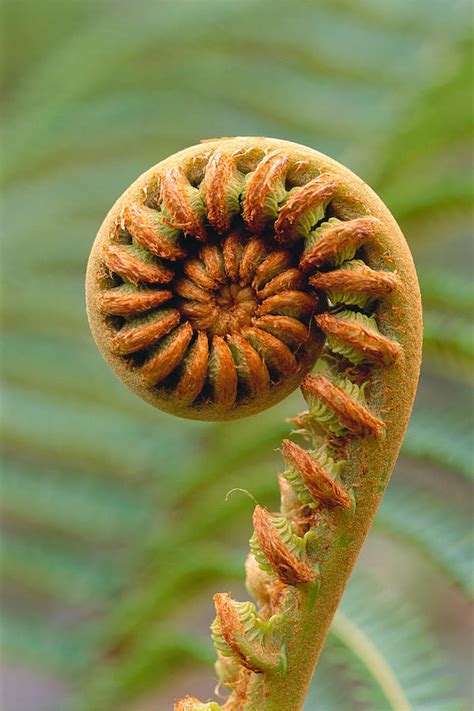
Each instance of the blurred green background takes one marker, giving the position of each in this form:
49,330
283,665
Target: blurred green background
116,530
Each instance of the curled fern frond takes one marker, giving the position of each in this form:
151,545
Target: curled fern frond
239,268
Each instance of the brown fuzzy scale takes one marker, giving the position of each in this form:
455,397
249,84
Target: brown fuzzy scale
193,370
175,195
374,347
189,290
233,632
278,357
337,238
297,304
167,356
196,270
270,171
274,264
220,172
291,279
362,281
121,260
288,329
251,370
317,481
286,565
223,373
316,192
230,625
144,226
232,250
131,339
353,416
117,302
253,255
202,316
212,259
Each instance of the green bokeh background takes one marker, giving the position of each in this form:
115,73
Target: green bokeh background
116,528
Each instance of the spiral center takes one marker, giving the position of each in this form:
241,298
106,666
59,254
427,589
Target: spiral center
235,306
228,308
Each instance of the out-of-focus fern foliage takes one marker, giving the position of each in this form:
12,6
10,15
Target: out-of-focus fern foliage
116,527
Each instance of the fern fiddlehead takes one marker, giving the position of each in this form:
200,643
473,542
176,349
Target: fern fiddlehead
216,283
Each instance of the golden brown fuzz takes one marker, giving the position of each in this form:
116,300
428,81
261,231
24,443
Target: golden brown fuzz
288,568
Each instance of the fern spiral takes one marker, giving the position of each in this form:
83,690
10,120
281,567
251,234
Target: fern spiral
219,280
